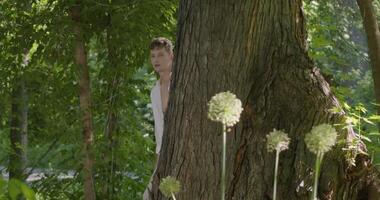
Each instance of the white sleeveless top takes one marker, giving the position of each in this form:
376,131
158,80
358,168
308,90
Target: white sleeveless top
158,115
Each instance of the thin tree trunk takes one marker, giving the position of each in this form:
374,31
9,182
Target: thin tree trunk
257,50
113,84
18,128
108,188
357,35
85,102
109,133
373,40
19,118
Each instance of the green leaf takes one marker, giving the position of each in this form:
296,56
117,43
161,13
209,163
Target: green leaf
365,138
27,192
336,110
13,189
374,118
17,188
3,188
368,121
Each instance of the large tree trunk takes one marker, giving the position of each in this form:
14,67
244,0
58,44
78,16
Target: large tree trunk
85,103
18,128
373,39
257,50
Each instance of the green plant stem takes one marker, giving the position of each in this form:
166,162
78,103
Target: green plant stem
360,134
223,162
318,163
275,175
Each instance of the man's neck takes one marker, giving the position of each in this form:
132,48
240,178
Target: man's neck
164,78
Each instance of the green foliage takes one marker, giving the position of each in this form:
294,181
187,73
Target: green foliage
365,126
15,189
337,45
3,189
54,186
117,35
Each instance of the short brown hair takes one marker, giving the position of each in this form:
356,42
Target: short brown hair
161,42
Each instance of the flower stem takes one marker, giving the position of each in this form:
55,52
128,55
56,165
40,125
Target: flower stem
223,162
318,163
173,197
275,175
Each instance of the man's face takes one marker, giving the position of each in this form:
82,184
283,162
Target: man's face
161,60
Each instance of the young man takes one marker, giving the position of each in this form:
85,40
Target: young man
161,57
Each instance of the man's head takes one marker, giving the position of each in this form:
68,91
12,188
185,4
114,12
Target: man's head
161,55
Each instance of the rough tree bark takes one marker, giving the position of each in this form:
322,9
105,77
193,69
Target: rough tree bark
373,40
85,102
257,50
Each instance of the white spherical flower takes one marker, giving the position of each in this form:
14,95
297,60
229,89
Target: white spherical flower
225,107
170,186
277,141
321,138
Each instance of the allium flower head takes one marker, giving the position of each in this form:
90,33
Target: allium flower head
169,186
277,141
225,107
321,138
